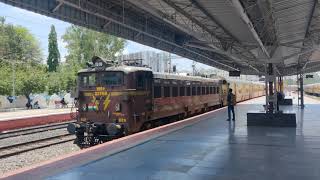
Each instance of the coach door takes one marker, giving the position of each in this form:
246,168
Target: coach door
142,97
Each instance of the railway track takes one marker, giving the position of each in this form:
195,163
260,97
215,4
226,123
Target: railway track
16,149
33,130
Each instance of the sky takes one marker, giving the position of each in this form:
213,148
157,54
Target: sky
39,26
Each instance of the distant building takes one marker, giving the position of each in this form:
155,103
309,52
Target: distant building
158,62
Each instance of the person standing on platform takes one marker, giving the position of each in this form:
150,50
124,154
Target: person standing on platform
231,100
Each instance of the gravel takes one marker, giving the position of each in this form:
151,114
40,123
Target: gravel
36,156
31,137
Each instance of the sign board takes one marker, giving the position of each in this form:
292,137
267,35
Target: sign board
309,76
234,73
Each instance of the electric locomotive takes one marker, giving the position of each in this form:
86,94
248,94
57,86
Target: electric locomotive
116,100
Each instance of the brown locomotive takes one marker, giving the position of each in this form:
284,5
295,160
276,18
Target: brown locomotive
117,100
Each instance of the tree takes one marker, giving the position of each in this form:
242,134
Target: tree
83,44
62,80
30,80
18,44
20,61
54,55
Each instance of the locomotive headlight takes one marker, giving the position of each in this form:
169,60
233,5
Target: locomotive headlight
118,107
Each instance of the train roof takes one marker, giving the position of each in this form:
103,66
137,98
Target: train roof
131,69
244,81
310,85
122,68
185,78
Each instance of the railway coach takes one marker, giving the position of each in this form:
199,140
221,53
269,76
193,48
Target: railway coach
312,89
117,100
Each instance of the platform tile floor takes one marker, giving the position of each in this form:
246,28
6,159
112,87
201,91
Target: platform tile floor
217,149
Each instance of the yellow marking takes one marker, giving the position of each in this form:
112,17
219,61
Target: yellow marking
94,101
118,114
134,93
88,94
100,89
122,120
101,93
116,93
106,102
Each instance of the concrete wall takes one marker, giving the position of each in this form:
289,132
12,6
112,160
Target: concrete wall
44,101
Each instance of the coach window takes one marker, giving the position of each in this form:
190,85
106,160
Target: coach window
210,89
174,91
182,91
203,90
214,90
218,90
166,91
207,90
188,91
198,90
157,92
194,91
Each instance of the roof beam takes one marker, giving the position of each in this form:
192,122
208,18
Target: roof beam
101,15
308,26
237,5
194,20
240,61
204,11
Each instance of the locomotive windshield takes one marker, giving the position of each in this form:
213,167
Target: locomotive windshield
88,79
101,78
112,78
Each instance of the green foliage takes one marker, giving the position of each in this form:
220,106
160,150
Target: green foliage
83,44
62,80
53,55
18,44
30,80
5,82
20,60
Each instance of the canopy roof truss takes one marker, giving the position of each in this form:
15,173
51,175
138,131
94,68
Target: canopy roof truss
240,35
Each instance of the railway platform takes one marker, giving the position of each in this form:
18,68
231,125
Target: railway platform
33,117
210,148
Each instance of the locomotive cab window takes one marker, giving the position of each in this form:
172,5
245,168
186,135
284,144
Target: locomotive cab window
112,78
87,79
140,81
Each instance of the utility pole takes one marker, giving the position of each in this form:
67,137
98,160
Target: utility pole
13,84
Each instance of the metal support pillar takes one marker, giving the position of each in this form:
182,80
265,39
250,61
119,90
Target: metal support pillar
280,84
271,89
271,117
300,90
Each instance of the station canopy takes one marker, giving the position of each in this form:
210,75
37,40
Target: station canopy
241,35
